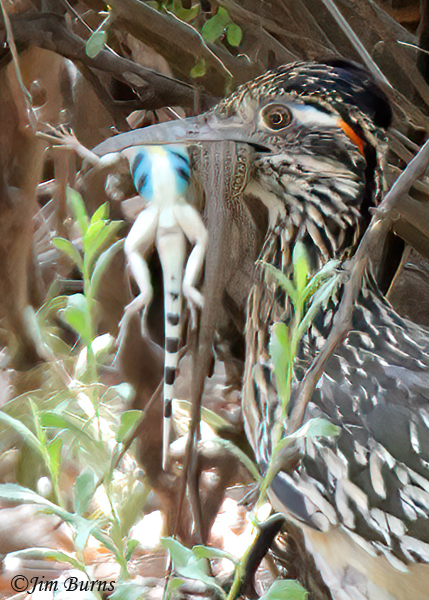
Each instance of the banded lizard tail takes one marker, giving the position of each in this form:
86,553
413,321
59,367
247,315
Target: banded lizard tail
161,176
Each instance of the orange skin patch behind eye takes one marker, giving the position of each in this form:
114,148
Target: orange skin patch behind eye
353,136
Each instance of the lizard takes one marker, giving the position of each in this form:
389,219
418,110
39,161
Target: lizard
161,176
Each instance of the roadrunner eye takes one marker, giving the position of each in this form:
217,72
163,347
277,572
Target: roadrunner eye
276,117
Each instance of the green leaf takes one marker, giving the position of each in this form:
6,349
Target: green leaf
91,238
57,345
131,508
215,421
69,249
102,264
51,419
96,239
285,589
301,268
83,530
186,14
187,565
284,281
280,353
199,70
115,533
317,427
234,34
40,432
54,451
129,420
84,527
75,425
105,540
318,300
180,555
101,214
222,16
95,43
326,272
83,490
21,495
47,554
210,553
214,27
173,585
241,456
76,314
77,205
23,431
131,546
129,590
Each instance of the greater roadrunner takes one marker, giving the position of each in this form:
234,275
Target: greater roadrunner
361,500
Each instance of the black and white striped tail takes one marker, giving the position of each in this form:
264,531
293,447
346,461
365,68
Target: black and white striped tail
173,307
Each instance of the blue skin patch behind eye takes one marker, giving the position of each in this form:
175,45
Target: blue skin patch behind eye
141,169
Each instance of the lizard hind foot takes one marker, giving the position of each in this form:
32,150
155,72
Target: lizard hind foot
195,301
139,303
193,296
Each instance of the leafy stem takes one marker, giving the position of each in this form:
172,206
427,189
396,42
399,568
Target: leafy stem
305,296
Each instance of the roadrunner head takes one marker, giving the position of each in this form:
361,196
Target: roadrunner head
322,127
317,133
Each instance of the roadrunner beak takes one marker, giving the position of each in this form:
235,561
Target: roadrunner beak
225,141
203,128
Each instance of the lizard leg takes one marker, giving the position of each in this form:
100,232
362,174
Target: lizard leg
139,240
193,227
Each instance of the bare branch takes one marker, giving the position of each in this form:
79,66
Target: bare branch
158,29
49,31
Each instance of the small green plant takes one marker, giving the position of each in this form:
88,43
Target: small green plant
193,564
79,422
81,312
96,234
305,296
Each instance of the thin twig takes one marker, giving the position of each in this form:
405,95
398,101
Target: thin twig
409,144
74,12
381,222
414,46
356,43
